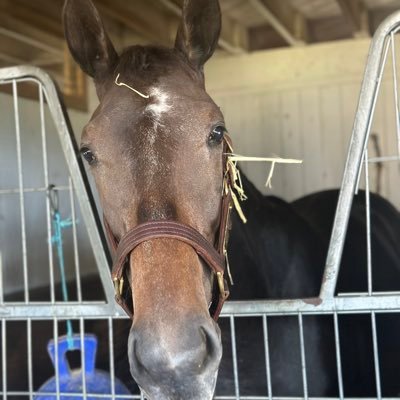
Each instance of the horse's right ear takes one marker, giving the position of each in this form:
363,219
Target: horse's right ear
87,39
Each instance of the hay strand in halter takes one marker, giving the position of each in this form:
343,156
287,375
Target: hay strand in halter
236,181
273,160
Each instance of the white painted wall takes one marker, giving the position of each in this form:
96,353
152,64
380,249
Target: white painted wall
11,257
300,103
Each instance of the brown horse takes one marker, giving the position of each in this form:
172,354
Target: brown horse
156,154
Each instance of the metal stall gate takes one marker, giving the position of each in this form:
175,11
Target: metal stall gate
30,320
369,304
39,133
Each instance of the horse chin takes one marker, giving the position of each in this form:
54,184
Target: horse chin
194,391
191,387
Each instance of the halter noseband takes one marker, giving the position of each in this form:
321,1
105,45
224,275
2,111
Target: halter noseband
213,255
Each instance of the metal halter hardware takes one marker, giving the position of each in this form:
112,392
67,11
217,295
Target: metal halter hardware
213,255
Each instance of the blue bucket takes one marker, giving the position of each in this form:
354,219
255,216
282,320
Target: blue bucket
70,381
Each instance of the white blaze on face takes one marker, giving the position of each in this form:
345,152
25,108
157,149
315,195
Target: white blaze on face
159,105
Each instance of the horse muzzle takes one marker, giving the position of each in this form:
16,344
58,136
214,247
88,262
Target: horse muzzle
180,366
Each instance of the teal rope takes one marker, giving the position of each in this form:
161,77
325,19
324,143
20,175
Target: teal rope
58,226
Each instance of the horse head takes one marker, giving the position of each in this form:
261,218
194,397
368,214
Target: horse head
155,149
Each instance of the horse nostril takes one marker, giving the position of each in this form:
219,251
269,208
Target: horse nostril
198,351
212,339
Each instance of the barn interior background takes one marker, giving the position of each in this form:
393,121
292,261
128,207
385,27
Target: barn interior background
287,76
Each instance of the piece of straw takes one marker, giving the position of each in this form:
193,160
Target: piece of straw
273,160
236,185
130,87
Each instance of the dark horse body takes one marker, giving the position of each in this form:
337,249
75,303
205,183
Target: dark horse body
278,254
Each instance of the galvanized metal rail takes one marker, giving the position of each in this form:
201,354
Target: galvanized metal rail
49,96
357,158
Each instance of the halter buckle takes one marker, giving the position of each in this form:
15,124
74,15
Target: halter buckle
118,286
221,284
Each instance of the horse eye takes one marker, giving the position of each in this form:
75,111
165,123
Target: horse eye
88,155
217,135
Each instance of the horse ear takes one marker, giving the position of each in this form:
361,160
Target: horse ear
87,39
199,30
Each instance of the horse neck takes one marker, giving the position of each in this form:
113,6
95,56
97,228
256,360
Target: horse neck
274,255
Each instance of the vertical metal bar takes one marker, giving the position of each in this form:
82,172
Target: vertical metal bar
83,364
382,69
234,357
29,347
368,222
46,184
1,279
75,242
338,356
362,125
303,356
21,191
358,181
62,124
55,338
4,357
111,352
267,356
376,357
395,88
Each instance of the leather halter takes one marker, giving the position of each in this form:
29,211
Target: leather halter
213,255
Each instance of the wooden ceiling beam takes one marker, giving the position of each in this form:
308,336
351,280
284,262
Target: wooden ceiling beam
30,35
286,21
356,14
37,62
265,37
329,28
377,15
46,61
11,59
234,37
139,17
23,38
25,11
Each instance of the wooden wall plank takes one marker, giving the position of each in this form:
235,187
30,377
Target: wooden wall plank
391,168
311,132
293,144
333,158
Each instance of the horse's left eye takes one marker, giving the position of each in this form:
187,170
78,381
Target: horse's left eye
217,135
88,155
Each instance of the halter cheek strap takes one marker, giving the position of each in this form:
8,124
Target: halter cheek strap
213,256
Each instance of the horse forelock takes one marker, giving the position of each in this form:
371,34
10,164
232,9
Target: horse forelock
150,63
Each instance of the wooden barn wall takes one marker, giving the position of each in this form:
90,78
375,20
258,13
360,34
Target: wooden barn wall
300,103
